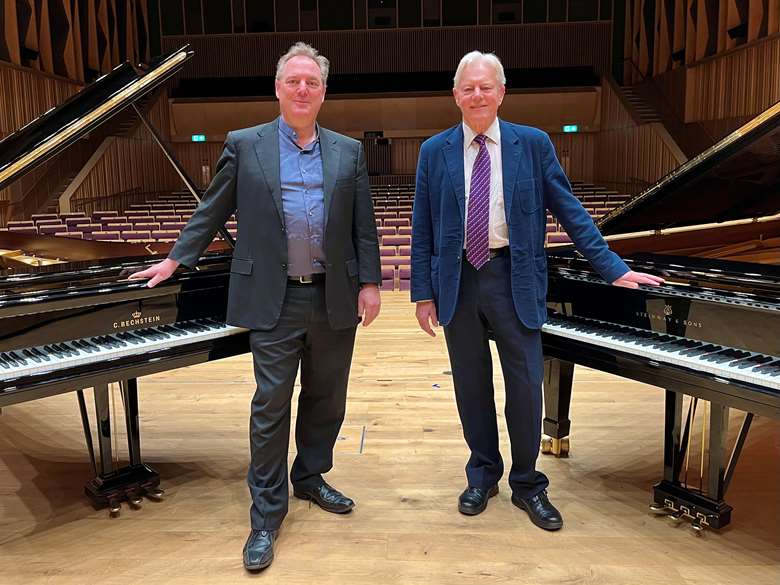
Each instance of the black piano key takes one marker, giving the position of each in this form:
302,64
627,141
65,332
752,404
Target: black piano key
116,342
18,358
703,350
750,361
87,346
66,350
4,362
40,354
32,356
766,367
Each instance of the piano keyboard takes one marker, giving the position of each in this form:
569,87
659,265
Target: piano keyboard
101,348
723,362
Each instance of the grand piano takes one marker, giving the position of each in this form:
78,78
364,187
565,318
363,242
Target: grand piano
71,320
710,336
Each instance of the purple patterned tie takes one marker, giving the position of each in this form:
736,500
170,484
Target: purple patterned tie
477,250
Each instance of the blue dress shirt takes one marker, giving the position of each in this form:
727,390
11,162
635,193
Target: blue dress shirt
303,202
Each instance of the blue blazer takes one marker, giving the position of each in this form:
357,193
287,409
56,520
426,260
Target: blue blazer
533,183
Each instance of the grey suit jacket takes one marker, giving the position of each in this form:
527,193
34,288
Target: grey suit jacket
247,182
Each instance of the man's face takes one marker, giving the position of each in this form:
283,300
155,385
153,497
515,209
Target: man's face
300,91
479,94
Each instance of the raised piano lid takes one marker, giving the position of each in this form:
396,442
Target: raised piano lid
50,133
735,182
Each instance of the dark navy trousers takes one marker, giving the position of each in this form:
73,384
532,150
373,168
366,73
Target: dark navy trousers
485,305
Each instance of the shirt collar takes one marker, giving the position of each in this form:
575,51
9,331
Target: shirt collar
493,133
285,129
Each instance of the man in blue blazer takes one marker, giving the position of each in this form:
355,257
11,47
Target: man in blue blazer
478,264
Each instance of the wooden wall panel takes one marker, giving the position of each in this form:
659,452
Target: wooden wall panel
743,82
628,156
10,33
133,162
439,49
576,154
664,34
575,151
26,94
77,39
404,155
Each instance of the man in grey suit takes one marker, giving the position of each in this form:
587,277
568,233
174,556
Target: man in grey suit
305,270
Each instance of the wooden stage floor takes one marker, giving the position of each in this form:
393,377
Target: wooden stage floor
401,456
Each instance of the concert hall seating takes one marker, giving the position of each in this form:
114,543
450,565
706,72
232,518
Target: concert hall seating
163,218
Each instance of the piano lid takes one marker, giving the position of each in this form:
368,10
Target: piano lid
50,133
736,179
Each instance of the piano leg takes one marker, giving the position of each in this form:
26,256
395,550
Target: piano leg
110,487
149,487
671,496
558,377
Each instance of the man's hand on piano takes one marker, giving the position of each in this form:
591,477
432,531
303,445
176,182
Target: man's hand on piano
426,316
633,279
157,273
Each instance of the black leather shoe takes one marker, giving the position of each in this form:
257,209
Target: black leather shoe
327,498
540,510
259,549
474,500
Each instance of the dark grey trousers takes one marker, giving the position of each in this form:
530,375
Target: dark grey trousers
302,336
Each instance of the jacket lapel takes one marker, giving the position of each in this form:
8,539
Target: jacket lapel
267,151
510,160
331,156
453,155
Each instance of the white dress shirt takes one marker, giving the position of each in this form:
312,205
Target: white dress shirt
497,230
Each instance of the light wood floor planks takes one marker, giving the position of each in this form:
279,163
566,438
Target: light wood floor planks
401,457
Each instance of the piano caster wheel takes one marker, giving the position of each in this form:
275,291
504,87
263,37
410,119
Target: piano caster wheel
155,493
114,507
134,499
557,447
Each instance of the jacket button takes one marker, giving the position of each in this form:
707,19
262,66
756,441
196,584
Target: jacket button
284,266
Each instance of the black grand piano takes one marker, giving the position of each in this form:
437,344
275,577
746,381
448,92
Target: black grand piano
710,333
69,317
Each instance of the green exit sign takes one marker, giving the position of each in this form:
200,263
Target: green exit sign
571,128
199,138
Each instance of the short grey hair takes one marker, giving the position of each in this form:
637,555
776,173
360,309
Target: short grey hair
302,49
475,56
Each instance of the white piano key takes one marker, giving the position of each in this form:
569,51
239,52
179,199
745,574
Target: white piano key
101,352
664,354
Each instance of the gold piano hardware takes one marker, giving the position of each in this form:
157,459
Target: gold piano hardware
693,228
137,319
20,256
